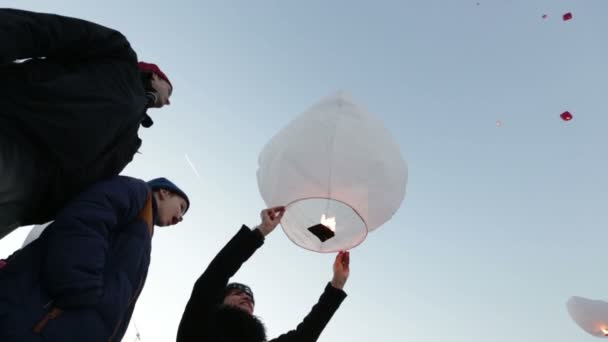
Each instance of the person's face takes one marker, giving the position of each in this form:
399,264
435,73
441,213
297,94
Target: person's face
171,208
239,299
163,91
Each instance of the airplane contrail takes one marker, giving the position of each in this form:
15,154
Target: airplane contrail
192,166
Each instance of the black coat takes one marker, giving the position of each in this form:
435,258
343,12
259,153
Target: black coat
77,101
204,320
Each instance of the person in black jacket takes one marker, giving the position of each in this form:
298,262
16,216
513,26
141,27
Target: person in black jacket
72,98
222,312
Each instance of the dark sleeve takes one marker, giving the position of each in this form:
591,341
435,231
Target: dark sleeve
78,239
27,34
313,324
209,288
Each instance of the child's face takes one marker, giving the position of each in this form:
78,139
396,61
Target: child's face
171,208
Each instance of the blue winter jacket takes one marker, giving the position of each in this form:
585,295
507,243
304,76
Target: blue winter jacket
80,280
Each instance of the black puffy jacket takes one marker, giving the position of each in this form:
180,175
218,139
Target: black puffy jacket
77,101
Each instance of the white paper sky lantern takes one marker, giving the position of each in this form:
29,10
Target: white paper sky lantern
590,315
339,172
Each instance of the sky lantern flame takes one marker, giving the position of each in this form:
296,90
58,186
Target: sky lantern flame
329,222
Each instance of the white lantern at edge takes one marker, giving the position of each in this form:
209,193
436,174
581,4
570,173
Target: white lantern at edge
591,315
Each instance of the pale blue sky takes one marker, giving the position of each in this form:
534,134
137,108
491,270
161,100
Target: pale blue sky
500,225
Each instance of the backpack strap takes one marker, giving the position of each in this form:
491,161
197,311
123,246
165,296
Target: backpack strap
54,313
147,214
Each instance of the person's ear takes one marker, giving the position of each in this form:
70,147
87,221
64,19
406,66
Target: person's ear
164,193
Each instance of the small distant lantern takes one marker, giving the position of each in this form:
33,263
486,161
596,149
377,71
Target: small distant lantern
339,172
590,315
566,116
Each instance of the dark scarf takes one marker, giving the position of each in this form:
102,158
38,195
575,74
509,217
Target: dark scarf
235,325
146,81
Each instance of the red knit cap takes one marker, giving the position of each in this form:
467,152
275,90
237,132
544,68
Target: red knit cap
149,67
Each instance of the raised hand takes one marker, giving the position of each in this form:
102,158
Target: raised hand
341,269
271,217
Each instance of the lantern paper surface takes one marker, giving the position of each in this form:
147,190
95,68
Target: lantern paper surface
339,172
590,315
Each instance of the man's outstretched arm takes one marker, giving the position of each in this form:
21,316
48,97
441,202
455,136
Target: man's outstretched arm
313,324
209,289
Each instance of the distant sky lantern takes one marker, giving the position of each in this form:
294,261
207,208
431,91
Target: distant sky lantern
567,16
566,116
590,315
339,172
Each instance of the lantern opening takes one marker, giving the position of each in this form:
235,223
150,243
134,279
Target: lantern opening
323,225
604,331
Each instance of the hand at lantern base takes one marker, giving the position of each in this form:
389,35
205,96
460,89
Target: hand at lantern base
341,269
